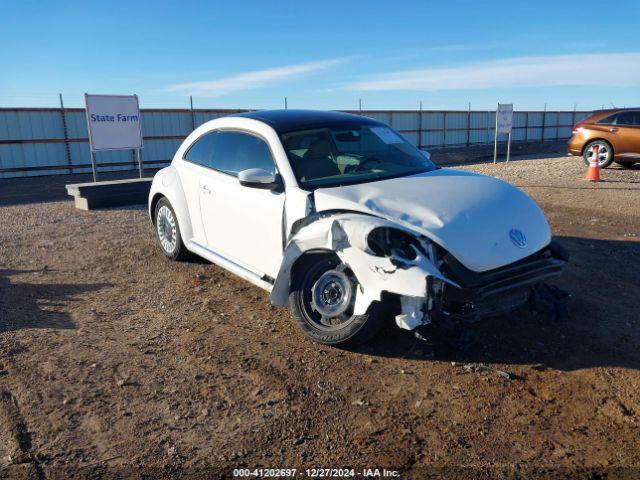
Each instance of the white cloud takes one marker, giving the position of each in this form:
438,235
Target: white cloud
463,47
251,80
608,69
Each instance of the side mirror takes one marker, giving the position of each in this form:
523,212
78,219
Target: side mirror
259,178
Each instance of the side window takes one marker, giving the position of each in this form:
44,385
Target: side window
610,120
201,152
237,151
629,118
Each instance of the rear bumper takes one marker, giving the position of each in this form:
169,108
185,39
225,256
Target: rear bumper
575,145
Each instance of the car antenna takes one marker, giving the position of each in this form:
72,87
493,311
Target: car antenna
613,105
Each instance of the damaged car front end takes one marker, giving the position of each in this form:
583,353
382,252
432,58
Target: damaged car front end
419,281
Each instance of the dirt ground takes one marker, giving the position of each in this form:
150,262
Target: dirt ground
115,362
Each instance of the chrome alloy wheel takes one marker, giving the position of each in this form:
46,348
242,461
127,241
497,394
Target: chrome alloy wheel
166,228
603,153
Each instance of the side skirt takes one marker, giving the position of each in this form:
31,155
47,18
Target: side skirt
257,278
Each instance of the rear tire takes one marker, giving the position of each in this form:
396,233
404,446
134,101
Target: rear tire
605,153
322,284
168,231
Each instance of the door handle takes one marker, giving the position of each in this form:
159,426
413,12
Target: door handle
206,189
613,129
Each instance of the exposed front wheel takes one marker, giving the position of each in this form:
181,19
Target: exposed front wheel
168,231
605,153
322,297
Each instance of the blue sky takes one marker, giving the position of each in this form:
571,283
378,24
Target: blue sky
323,54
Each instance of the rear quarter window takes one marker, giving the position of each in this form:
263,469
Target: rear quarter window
610,120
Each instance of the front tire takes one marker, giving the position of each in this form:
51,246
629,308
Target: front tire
168,231
321,299
605,153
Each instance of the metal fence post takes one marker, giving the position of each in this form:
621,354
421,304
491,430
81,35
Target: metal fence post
488,136
495,137
544,121
526,127
193,117
420,126
66,133
444,129
469,125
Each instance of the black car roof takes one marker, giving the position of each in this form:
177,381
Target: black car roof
283,121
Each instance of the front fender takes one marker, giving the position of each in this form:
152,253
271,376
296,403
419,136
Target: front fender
166,183
346,236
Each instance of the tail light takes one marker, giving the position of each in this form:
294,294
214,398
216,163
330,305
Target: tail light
577,127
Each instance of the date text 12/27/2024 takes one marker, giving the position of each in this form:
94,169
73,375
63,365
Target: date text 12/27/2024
315,473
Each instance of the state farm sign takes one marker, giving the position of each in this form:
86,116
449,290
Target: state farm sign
113,122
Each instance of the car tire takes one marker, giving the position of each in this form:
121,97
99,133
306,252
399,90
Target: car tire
605,161
627,165
321,276
168,231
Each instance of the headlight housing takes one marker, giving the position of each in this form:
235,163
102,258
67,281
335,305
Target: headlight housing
394,243
402,247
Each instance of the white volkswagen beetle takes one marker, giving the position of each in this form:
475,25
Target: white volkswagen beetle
338,215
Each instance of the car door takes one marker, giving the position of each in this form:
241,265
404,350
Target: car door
196,161
241,223
627,142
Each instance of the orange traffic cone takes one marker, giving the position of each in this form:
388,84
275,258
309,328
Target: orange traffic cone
593,173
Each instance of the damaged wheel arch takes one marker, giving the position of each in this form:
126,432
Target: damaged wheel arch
346,236
322,297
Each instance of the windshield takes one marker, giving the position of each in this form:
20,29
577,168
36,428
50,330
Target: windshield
328,157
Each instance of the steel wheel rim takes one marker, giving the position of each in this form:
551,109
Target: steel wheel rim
166,228
603,153
317,279
331,294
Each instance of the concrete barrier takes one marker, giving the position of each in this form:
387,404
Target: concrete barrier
113,193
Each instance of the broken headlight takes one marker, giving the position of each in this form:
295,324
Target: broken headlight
401,246
394,243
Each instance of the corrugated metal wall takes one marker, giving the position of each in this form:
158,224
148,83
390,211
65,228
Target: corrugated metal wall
33,140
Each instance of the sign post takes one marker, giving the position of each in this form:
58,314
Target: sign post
504,124
113,122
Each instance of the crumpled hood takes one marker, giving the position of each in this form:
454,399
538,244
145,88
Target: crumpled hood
468,214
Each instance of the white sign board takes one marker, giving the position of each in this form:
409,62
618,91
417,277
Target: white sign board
113,122
504,118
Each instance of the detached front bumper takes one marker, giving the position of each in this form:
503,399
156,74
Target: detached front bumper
501,290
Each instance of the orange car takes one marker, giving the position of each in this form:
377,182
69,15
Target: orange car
616,132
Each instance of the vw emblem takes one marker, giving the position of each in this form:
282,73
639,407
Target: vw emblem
518,238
